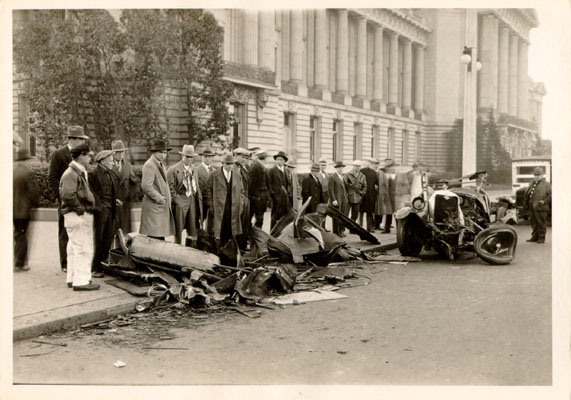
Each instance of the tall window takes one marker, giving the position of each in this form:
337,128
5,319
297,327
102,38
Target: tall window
404,158
290,140
314,135
391,144
357,140
418,146
238,129
375,141
337,140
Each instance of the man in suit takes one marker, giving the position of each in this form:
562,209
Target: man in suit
338,196
204,169
127,186
279,188
311,187
224,192
59,162
370,199
259,188
25,193
323,178
242,159
388,189
356,185
156,215
104,184
293,184
186,195
538,200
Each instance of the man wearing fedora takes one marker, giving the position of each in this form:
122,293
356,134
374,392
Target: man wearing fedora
156,215
338,196
538,200
293,184
186,195
204,170
104,185
224,192
59,162
279,188
25,192
311,187
370,199
385,199
242,159
128,185
77,203
259,188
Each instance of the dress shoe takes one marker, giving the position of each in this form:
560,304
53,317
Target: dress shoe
21,269
69,284
97,274
532,240
64,269
540,241
89,286
387,231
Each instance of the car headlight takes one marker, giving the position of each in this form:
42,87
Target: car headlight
418,203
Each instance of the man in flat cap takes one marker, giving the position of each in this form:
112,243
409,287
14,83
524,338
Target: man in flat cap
186,195
156,214
77,203
128,185
279,188
59,161
104,185
224,192
259,188
538,201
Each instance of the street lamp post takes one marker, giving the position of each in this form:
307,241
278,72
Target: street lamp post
469,57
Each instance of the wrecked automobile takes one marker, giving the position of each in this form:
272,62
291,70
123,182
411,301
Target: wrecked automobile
451,220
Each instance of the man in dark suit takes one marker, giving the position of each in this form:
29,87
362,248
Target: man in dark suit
204,169
127,186
538,200
311,187
59,162
370,199
259,188
279,188
338,196
243,159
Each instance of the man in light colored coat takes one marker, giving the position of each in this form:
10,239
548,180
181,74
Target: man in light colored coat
224,195
186,195
156,215
384,202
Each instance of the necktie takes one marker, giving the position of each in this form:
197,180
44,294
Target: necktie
118,165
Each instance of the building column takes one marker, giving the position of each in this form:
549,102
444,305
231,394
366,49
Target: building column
489,55
361,58
266,45
419,86
342,52
378,66
393,69
296,46
503,70
513,75
407,75
523,82
320,49
250,42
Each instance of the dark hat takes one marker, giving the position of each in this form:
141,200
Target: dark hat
82,148
118,145
207,152
282,155
103,154
314,167
160,145
76,131
538,171
338,164
228,159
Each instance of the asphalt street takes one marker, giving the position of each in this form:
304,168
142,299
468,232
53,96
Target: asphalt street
433,322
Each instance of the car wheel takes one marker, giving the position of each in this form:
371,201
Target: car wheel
496,245
407,240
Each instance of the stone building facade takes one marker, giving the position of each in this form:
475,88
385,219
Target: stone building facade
346,84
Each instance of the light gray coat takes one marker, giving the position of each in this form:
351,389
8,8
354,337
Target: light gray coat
156,219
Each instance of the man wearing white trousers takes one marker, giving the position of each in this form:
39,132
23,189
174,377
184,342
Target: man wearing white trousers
77,209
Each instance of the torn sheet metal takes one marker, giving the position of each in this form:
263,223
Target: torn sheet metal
128,287
335,274
351,225
268,281
304,297
396,257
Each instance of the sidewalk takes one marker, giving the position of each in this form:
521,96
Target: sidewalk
43,303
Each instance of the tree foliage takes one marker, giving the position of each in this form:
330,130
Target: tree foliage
122,79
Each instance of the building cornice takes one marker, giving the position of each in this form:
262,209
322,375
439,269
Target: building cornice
518,20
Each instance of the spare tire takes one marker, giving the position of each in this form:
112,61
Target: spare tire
496,245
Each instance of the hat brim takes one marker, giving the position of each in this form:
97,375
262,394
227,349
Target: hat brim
116,150
337,166
282,156
188,155
162,149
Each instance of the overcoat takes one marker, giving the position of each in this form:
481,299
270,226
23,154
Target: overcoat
181,204
215,196
311,187
402,190
542,192
384,205
336,190
156,219
203,173
279,192
294,190
25,191
370,198
259,187
324,179
356,185
59,162
127,185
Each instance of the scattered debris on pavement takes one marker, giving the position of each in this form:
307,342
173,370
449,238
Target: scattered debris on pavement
119,364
